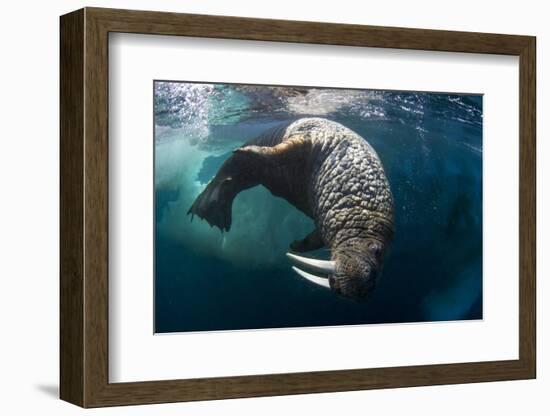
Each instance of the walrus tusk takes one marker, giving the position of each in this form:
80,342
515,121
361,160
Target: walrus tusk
323,266
312,278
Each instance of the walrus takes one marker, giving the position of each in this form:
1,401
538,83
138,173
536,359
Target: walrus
332,175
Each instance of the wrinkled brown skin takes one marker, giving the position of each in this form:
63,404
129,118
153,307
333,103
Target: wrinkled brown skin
329,173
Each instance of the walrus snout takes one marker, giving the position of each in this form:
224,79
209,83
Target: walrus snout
355,287
353,271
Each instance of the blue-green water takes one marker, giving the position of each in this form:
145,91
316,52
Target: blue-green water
431,147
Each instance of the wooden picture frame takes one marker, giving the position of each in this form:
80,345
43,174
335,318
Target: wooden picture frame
84,207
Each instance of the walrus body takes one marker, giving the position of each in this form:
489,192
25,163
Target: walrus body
330,174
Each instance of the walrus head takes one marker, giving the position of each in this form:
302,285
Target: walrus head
352,271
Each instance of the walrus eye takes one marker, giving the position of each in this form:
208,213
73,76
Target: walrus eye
375,249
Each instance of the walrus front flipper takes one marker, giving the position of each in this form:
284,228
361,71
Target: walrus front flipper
312,241
214,204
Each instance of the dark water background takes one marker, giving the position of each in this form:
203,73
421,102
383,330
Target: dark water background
431,147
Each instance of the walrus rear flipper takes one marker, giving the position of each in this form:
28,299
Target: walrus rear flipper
214,205
237,173
291,151
247,167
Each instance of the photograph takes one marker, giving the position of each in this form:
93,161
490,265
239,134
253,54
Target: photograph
257,202
303,206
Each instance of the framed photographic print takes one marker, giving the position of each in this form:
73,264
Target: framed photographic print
256,207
